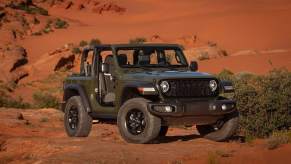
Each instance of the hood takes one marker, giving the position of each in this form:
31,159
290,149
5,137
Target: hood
151,75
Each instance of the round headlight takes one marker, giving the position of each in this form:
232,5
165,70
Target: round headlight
165,86
213,85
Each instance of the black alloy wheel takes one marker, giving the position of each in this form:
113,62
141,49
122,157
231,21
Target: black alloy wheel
73,118
135,122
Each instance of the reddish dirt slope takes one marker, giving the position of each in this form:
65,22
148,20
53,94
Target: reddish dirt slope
258,64
233,25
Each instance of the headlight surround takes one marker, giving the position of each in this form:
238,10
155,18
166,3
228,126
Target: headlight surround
213,85
165,86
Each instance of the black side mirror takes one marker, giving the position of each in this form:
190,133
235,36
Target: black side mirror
104,68
194,66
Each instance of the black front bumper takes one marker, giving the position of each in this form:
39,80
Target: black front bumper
193,111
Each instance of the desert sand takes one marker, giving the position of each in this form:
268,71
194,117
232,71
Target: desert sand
37,136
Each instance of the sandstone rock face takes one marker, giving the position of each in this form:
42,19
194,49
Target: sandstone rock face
56,60
97,6
156,39
109,7
12,60
66,62
205,52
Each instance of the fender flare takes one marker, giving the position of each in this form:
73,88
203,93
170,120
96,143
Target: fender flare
134,86
69,88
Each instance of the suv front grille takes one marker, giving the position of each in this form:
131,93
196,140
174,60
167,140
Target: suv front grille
191,88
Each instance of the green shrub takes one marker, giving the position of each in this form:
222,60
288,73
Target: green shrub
226,74
249,138
94,42
48,28
76,50
8,102
278,138
38,10
29,8
264,102
138,40
60,24
45,100
83,43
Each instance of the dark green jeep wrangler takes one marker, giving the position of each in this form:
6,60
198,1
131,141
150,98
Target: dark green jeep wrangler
146,88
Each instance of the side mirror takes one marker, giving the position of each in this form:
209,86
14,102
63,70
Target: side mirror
104,68
194,66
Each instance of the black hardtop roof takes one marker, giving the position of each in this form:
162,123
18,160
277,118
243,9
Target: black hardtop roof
110,46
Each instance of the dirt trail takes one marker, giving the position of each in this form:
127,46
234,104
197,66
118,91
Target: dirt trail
39,137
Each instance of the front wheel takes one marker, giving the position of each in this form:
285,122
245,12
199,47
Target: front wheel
220,131
135,123
77,122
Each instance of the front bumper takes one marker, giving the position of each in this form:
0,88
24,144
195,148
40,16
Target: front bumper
193,111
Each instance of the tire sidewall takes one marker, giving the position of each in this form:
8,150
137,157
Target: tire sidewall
227,130
153,123
83,118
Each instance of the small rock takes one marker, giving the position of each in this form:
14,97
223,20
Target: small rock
81,6
2,145
69,5
27,122
20,116
2,14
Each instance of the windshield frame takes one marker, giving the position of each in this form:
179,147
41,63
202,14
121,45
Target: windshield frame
175,48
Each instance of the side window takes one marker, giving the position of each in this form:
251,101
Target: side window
89,58
172,57
104,54
154,57
127,56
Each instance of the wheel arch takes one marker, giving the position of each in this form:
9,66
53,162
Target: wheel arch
128,92
131,90
76,90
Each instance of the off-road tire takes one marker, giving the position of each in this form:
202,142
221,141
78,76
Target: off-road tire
227,130
163,131
84,123
152,123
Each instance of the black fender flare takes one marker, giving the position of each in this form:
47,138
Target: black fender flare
134,87
76,88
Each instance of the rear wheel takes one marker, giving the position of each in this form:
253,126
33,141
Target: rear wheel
77,122
135,123
220,131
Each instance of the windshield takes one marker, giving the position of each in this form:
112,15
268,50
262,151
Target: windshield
151,57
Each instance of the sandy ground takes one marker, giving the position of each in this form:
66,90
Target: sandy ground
39,137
